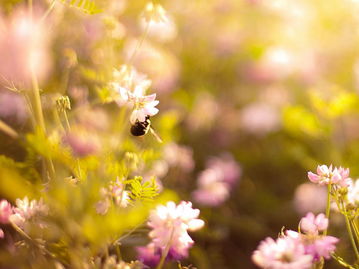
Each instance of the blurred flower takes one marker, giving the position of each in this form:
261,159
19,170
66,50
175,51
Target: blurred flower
102,206
82,143
353,193
215,181
5,211
95,119
260,118
313,224
227,166
13,106
170,225
23,47
2,233
285,253
154,13
111,263
179,156
26,210
197,120
327,175
310,197
113,192
212,192
163,31
150,255
164,67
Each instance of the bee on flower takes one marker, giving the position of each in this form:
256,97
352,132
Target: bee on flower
130,88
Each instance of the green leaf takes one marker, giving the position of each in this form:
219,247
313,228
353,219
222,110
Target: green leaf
87,6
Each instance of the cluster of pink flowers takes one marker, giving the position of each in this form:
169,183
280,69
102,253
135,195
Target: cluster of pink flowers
215,181
24,210
297,250
170,225
328,175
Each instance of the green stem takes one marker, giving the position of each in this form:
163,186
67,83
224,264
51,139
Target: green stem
356,231
8,130
68,126
165,252
39,118
327,211
350,232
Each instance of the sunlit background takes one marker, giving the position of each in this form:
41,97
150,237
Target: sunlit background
254,92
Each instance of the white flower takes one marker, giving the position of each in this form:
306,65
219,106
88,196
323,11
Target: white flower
144,106
170,224
353,193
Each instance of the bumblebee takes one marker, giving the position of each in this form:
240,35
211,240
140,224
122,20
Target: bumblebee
141,128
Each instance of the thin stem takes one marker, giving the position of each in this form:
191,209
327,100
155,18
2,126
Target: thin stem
351,234
327,211
68,126
356,231
166,250
8,130
39,117
52,5
37,103
139,44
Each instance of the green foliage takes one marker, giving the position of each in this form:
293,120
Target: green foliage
142,191
17,180
87,6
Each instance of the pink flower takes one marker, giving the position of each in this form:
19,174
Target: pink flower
212,190
214,182
26,210
2,233
13,106
179,155
327,175
314,225
317,246
310,197
5,211
82,143
284,253
170,225
23,47
229,168
149,255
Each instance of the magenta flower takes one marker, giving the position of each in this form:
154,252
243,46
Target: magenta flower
170,225
5,211
313,225
327,175
284,253
149,255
